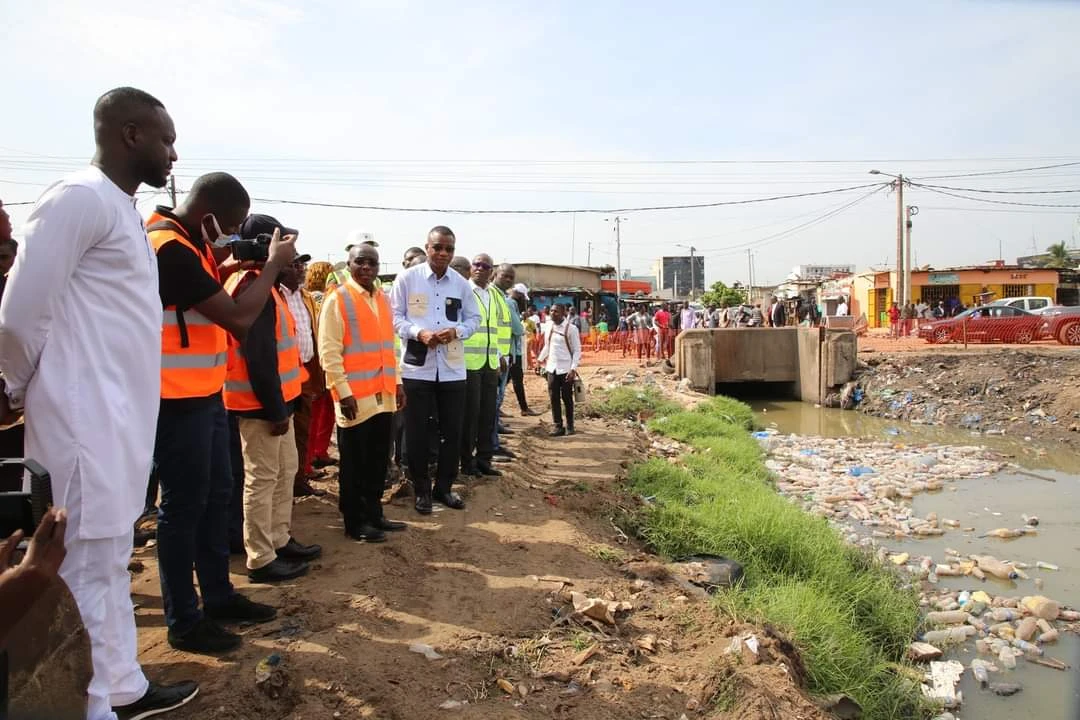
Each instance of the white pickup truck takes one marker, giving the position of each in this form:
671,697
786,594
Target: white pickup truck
1031,303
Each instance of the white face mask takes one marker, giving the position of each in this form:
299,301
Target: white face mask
222,240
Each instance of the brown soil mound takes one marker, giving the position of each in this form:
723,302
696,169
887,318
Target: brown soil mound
488,589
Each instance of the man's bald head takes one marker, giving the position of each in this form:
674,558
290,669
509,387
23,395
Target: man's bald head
481,268
505,276
460,264
134,136
364,265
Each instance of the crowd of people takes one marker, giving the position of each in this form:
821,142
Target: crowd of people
199,350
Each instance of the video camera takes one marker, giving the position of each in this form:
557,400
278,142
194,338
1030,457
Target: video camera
257,250
24,510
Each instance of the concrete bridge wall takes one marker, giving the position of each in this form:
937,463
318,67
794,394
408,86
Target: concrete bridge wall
812,359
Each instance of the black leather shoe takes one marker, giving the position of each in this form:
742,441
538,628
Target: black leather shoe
320,463
240,609
295,551
278,570
423,504
506,453
157,700
503,430
488,471
451,500
570,430
557,432
205,638
529,412
367,533
469,470
391,525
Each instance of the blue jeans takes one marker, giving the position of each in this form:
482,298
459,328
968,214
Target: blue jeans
192,453
503,377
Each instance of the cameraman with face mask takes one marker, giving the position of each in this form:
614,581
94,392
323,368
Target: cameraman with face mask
192,448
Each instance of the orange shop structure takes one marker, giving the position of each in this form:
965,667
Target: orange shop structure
973,285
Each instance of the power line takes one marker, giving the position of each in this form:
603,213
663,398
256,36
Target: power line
995,202
996,192
998,172
561,211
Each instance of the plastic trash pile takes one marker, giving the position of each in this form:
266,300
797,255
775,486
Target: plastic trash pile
870,483
864,487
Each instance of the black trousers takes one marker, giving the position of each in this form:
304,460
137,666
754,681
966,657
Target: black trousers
481,398
423,398
365,453
517,377
560,387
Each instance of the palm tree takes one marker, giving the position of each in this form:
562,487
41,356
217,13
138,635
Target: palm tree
1058,256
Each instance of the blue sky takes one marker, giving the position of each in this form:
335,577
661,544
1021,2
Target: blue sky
575,105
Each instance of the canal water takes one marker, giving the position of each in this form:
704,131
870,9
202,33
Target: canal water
1046,484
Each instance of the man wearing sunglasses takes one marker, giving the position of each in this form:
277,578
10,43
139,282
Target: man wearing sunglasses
434,311
356,341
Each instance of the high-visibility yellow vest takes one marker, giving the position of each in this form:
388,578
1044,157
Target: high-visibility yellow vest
239,395
367,344
482,347
194,350
505,323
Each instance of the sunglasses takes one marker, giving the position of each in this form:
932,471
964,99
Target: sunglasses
481,266
440,248
367,262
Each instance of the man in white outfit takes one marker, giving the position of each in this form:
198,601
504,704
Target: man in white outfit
80,349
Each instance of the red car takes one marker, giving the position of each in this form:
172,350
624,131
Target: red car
989,323
1062,324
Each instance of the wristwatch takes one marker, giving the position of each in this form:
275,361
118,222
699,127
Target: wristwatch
16,401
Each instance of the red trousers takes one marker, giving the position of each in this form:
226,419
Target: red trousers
322,427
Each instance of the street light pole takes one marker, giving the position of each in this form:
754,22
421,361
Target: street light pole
618,260
912,211
693,281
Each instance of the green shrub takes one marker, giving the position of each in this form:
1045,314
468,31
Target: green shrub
629,402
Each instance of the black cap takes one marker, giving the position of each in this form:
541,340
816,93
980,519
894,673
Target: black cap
256,225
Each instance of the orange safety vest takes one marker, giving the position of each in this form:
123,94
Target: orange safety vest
367,344
239,395
193,348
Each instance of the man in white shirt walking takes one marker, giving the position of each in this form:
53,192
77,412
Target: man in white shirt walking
434,312
80,347
561,356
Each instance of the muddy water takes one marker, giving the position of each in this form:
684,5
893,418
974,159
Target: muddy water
1047,484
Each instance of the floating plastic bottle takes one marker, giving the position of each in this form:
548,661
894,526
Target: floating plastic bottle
1004,614
952,635
979,670
952,617
1008,660
1049,636
1027,647
992,566
1046,566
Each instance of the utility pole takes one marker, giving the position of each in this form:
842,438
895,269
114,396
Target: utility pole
618,259
912,211
588,254
573,235
693,286
750,275
901,269
172,189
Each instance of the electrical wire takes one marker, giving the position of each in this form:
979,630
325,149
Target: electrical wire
560,211
998,172
995,202
996,192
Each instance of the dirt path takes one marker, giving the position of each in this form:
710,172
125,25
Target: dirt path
466,584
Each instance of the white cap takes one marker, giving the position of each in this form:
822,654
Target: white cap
520,288
358,237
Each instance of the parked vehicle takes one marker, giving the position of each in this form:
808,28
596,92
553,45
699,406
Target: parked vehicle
987,323
1062,324
1031,303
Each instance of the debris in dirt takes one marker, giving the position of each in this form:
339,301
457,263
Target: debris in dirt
551,579
597,608
269,676
943,679
583,657
745,647
711,572
923,652
453,704
647,643
425,650
505,685
839,706
1005,689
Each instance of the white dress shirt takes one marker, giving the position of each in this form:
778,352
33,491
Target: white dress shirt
80,338
419,302
562,348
